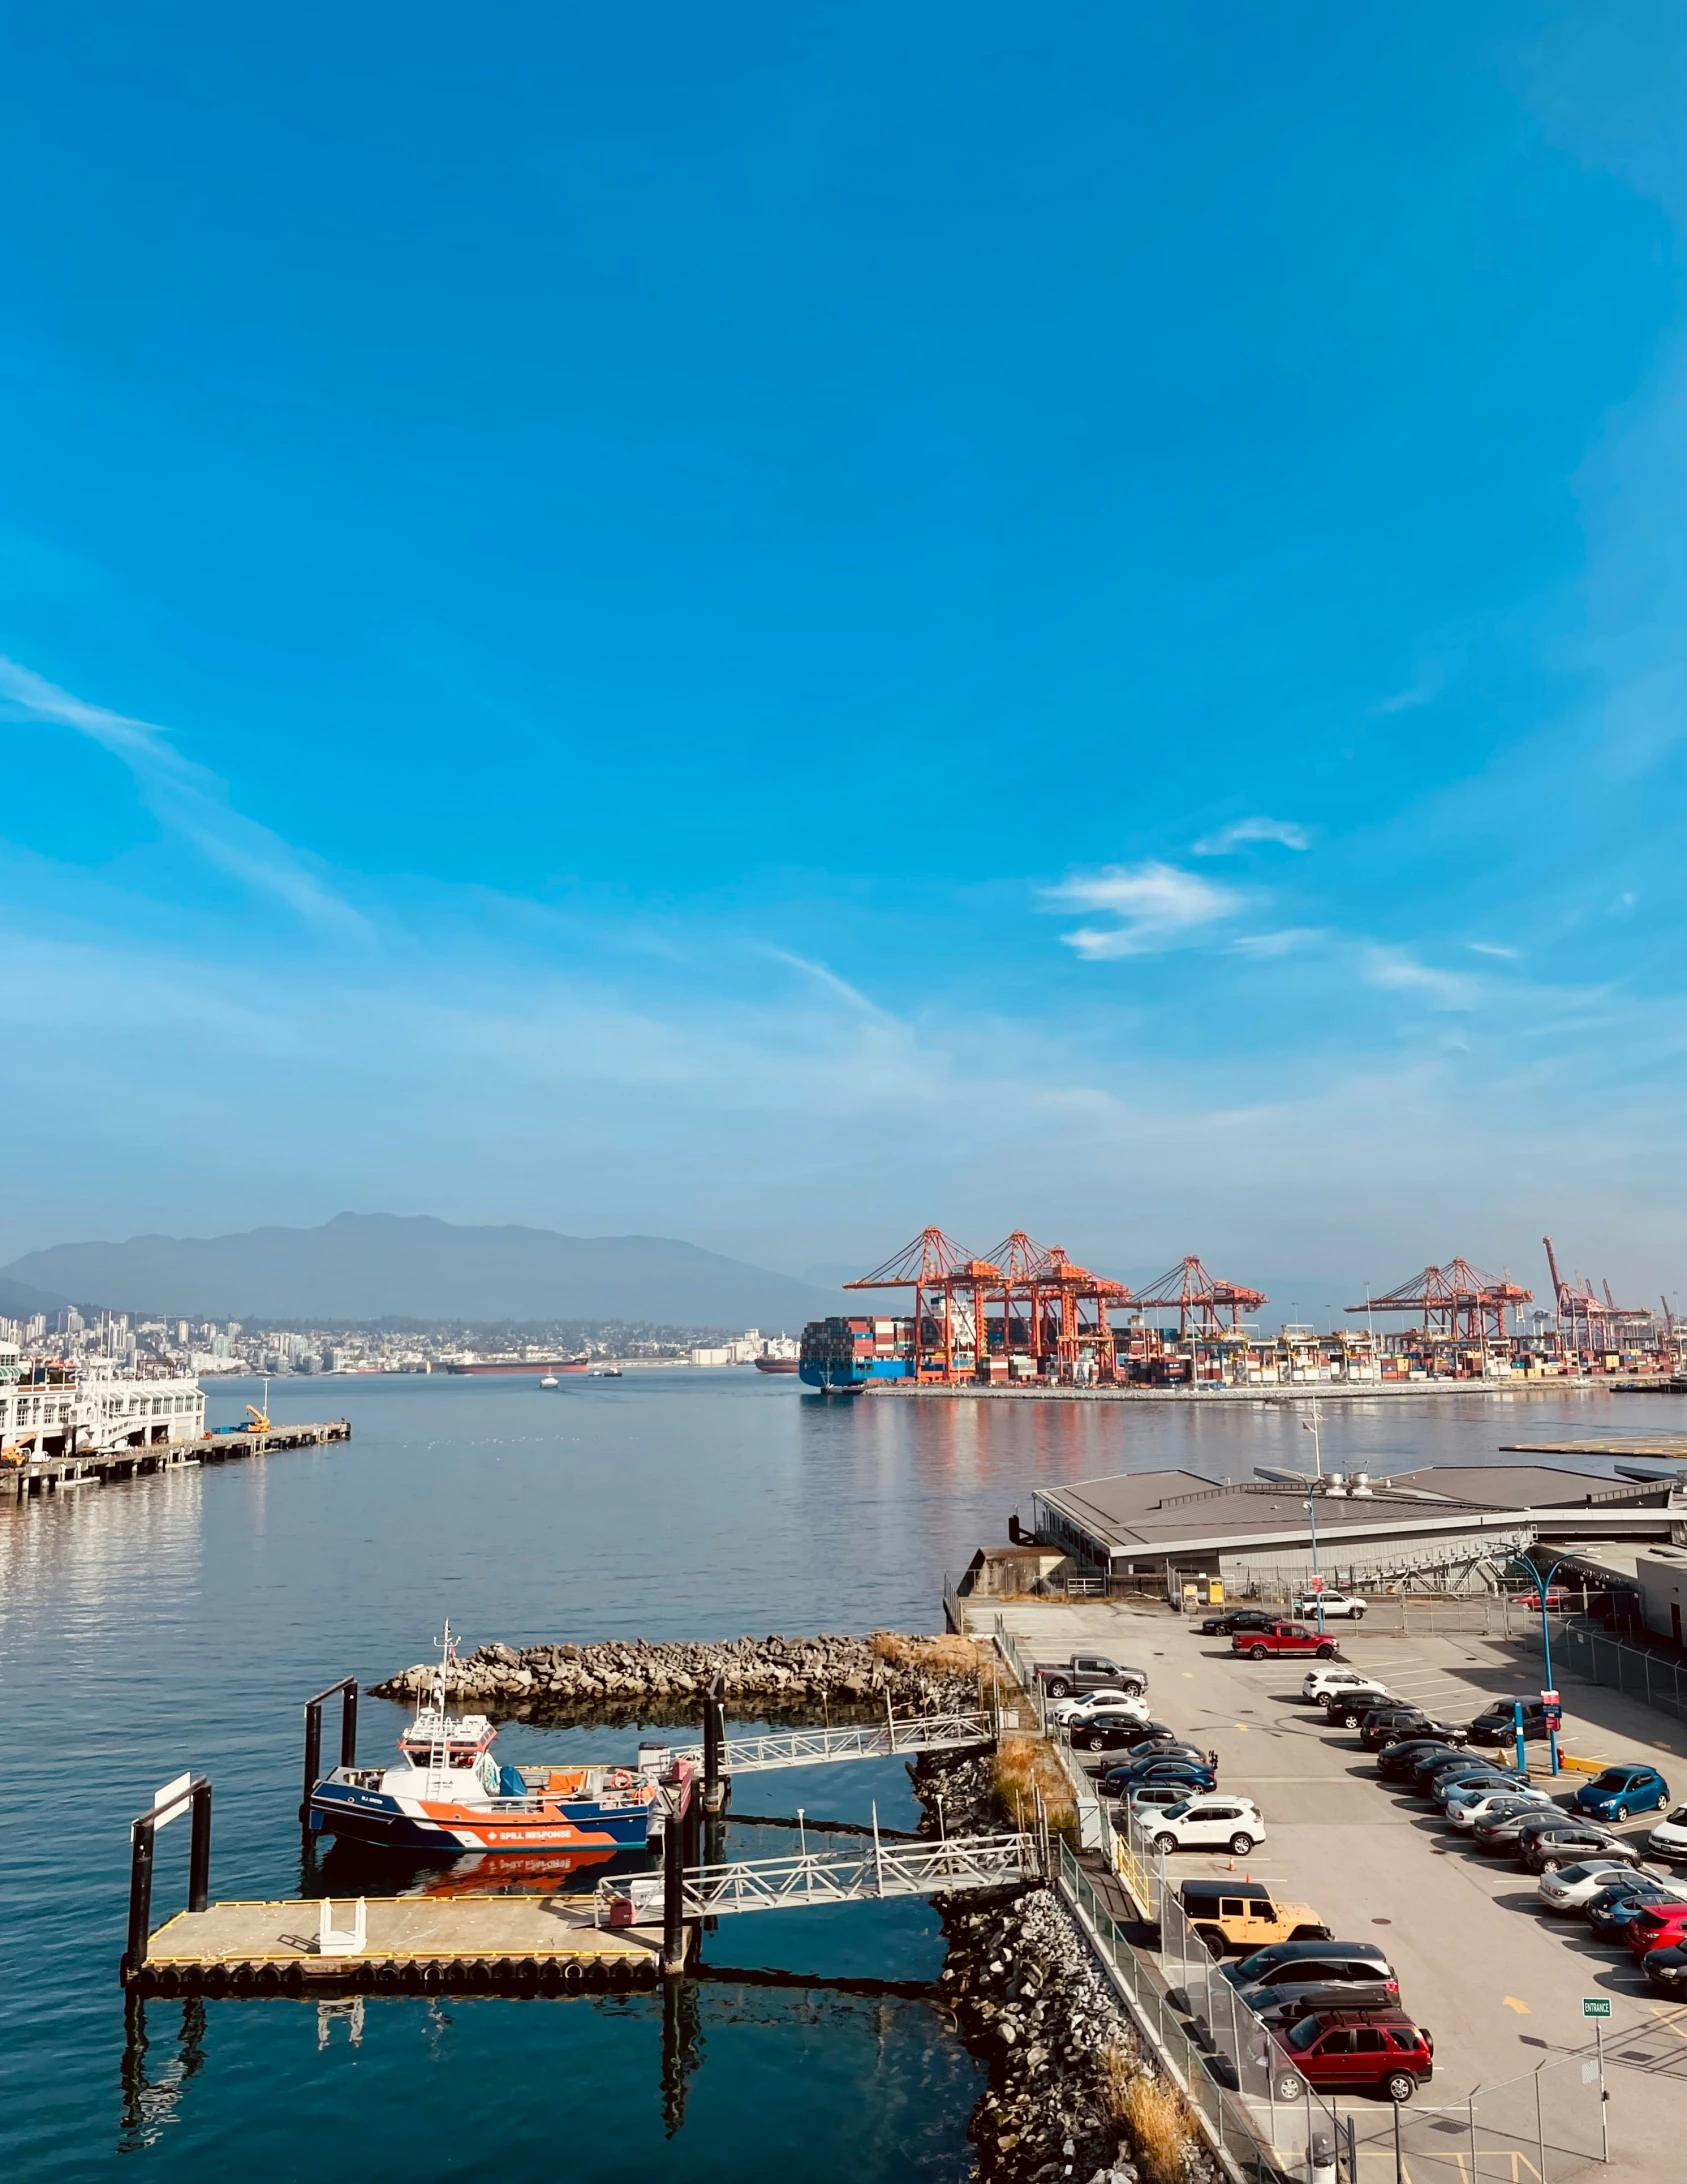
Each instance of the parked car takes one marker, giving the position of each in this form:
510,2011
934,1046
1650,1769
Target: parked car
1105,1730
1611,1911
1231,1620
1319,1975
1479,1774
1117,1778
1622,1791
1212,1821
1386,1725
1497,1724
1068,1710
1148,1734
1427,1774
1658,1926
1669,1838
1666,1969
1568,1888
1089,1672
1113,1730
1565,1841
1470,1809
1349,1710
1326,1686
1506,1823
1194,1774
1398,1762
1556,1597
1292,1960
1144,1799
1245,1915
1280,1638
1345,2051
1338,1607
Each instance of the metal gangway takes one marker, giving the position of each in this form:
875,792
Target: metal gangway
888,1739
877,1874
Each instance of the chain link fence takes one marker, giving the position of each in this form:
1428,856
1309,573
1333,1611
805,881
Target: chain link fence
1597,1657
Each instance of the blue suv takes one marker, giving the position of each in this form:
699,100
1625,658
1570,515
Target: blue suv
1620,1791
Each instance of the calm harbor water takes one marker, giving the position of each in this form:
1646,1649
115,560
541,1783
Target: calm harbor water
180,1621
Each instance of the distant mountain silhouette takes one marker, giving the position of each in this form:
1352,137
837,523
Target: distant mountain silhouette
19,1301
382,1265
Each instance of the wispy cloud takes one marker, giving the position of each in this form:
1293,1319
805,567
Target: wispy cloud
1492,948
1282,831
1157,906
1396,971
828,979
1283,943
1424,691
180,794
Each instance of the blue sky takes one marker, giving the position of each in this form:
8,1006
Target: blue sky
773,626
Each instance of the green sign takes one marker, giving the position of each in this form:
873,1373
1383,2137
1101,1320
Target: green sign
1595,2006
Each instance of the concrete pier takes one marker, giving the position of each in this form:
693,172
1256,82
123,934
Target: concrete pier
105,1466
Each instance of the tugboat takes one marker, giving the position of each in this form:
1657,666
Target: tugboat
449,1794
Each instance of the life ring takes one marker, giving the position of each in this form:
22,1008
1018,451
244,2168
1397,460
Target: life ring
620,1779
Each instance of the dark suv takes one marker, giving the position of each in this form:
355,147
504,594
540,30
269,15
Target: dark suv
1342,2051
1386,1725
1497,1724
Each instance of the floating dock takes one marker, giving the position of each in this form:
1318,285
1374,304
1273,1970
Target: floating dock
104,1466
408,1945
1650,1444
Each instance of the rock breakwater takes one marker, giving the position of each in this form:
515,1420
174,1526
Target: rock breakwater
1072,2093
667,1679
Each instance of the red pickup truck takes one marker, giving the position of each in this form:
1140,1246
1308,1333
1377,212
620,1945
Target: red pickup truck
1282,1638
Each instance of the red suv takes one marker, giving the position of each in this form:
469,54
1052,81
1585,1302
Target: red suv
1341,2051
1659,1926
1282,1638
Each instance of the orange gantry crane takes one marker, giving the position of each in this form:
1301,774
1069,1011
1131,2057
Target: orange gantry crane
1198,1298
1052,1313
1458,1302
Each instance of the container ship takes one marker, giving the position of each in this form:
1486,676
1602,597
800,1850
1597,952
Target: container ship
852,1353
524,1365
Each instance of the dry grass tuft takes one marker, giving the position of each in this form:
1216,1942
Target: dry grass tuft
1025,1764
942,1656
1151,2112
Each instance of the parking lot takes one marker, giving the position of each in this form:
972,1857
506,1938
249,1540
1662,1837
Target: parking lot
1499,1982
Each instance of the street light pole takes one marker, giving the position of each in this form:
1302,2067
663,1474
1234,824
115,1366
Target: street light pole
1541,1584
1317,1587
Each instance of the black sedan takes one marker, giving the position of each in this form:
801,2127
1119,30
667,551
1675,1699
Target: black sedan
1399,1762
1232,1620
1120,1781
1149,1735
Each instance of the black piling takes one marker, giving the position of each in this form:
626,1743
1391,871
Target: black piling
678,1846
199,1850
715,1785
346,1689
140,1895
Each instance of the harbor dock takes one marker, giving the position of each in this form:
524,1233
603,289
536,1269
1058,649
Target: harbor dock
105,1466
404,1945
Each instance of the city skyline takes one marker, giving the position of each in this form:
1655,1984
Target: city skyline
882,624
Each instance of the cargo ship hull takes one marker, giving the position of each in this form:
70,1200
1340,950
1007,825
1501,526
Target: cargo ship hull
528,1366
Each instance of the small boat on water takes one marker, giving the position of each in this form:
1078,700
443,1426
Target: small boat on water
550,1381
449,1794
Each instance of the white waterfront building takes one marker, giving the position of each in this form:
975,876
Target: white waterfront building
84,1406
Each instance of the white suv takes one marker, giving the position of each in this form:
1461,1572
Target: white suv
1067,1711
1669,1838
1325,1685
1210,1822
1339,1607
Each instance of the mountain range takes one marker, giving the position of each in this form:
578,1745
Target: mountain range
387,1266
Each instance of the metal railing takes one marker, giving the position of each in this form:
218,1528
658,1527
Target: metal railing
885,1871
887,1739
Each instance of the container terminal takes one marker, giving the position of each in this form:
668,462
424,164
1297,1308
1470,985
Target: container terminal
1027,1317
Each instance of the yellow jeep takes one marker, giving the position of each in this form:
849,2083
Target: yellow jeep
1244,1915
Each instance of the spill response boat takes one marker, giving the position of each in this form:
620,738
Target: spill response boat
449,1794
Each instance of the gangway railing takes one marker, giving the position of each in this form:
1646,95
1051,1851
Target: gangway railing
881,1873
888,1739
